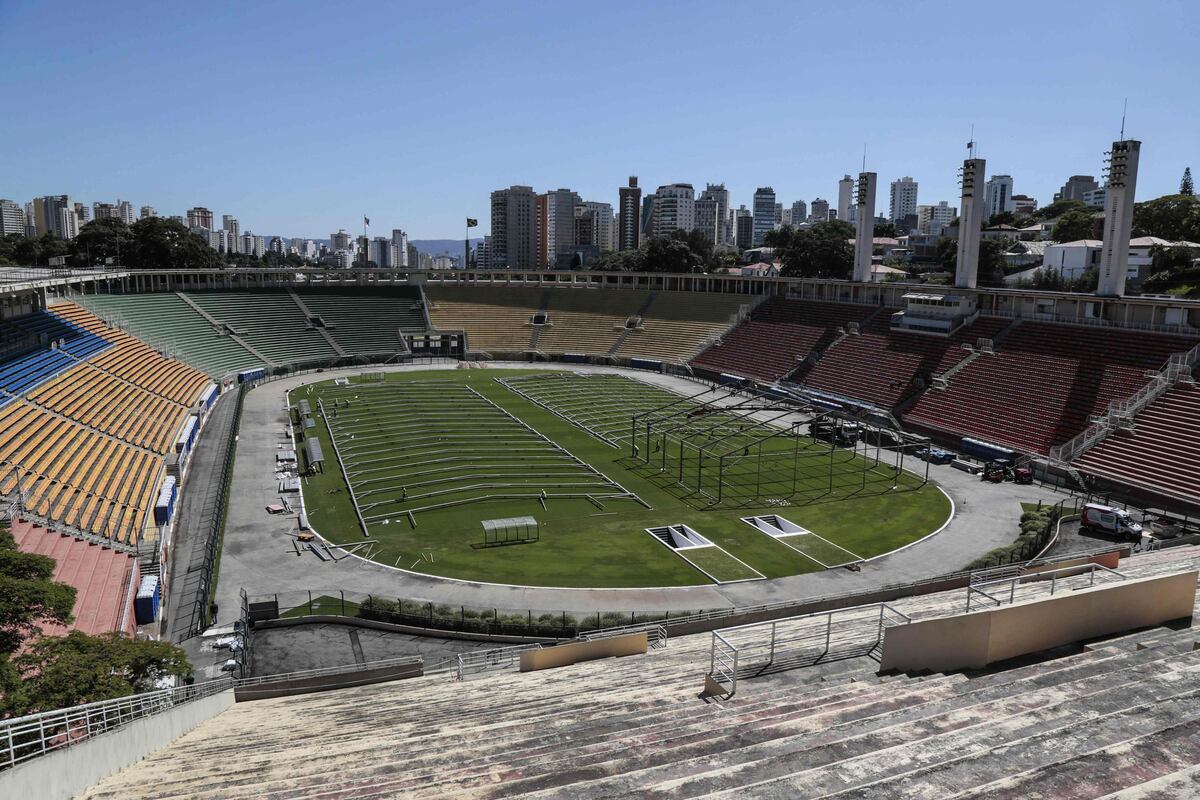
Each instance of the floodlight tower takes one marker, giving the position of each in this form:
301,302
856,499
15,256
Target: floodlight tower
864,226
970,223
1122,165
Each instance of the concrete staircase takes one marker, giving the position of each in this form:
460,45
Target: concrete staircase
1082,722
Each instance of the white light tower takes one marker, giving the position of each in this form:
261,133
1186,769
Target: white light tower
864,226
1118,216
970,220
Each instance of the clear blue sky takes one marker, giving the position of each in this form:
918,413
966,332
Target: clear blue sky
300,117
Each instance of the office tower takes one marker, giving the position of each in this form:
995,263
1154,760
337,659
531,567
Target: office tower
414,256
340,241
1023,205
12,218
744,228
102,211
970,222
555,225
200,217
718,192
382,252
276,246
125,212
932,220
230,224
845,201
599,225
674,209
903,198
998,195
820,210
400,240
1119,192
514,228
55,214
864,231
629,216
778,214
1075,187
81,215
147,212
799,212
708,219
764,213
483,254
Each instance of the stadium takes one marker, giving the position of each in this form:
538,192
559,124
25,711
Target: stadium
583,534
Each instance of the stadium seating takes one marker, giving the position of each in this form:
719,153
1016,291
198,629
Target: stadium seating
367,321
167,323
678,325
1161,453
102,578
586,320
494,317
269,321
1085,722
880,366
778,336
1043,382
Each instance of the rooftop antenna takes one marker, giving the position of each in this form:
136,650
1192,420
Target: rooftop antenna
864,167
971,142
1124,108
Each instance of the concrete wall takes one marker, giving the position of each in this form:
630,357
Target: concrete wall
628,644
70,771
979,638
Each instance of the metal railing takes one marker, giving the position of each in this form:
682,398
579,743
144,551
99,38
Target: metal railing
477,661
24,738
656,635
1037,577
319,672
799,641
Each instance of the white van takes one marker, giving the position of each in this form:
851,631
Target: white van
1111,520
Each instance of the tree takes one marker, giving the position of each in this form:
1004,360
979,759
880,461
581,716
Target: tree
885,230
61,671
166,244
28,595
1173,217
1058,208
1074,225
668,254
1003,218
991,263
100,240
622,261
1185,184
822,251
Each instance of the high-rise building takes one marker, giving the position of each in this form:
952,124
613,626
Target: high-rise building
674,209
820,210
12,218
903,198
382,251
341,241
744,228
226,241
555,225
514,228
599,226
799,212
277,246
629,216
998,195
414,256
1075,187
1023,205
932,220
147,212
125,212
764,213
1118,216
717,192
708,219
845,203
55,214
483,254
81,214
200,217
102,211
230,224
400,242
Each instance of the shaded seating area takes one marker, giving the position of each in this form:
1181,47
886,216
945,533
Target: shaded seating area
583,320
1042,384
366,321
1161,453
494,317
778,336
269,321
882,366
677,325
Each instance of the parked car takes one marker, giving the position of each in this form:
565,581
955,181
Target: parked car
934,455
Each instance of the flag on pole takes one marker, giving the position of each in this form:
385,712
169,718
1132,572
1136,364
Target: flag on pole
471,223
970,144
365,220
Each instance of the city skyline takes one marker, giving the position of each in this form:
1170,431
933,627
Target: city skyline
314,160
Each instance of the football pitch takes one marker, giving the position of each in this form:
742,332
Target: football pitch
416,462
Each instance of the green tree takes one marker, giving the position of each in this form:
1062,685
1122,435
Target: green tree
102,239
1074,225
668,254
822,251
991,262
28,594
166,244
885,230
1173,217
1185,183
622,261
61,671
1003,218
1058,208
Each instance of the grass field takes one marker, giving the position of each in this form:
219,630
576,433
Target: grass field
432,454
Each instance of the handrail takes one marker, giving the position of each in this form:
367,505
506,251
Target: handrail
495,658
317,672
33,735
1036,577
